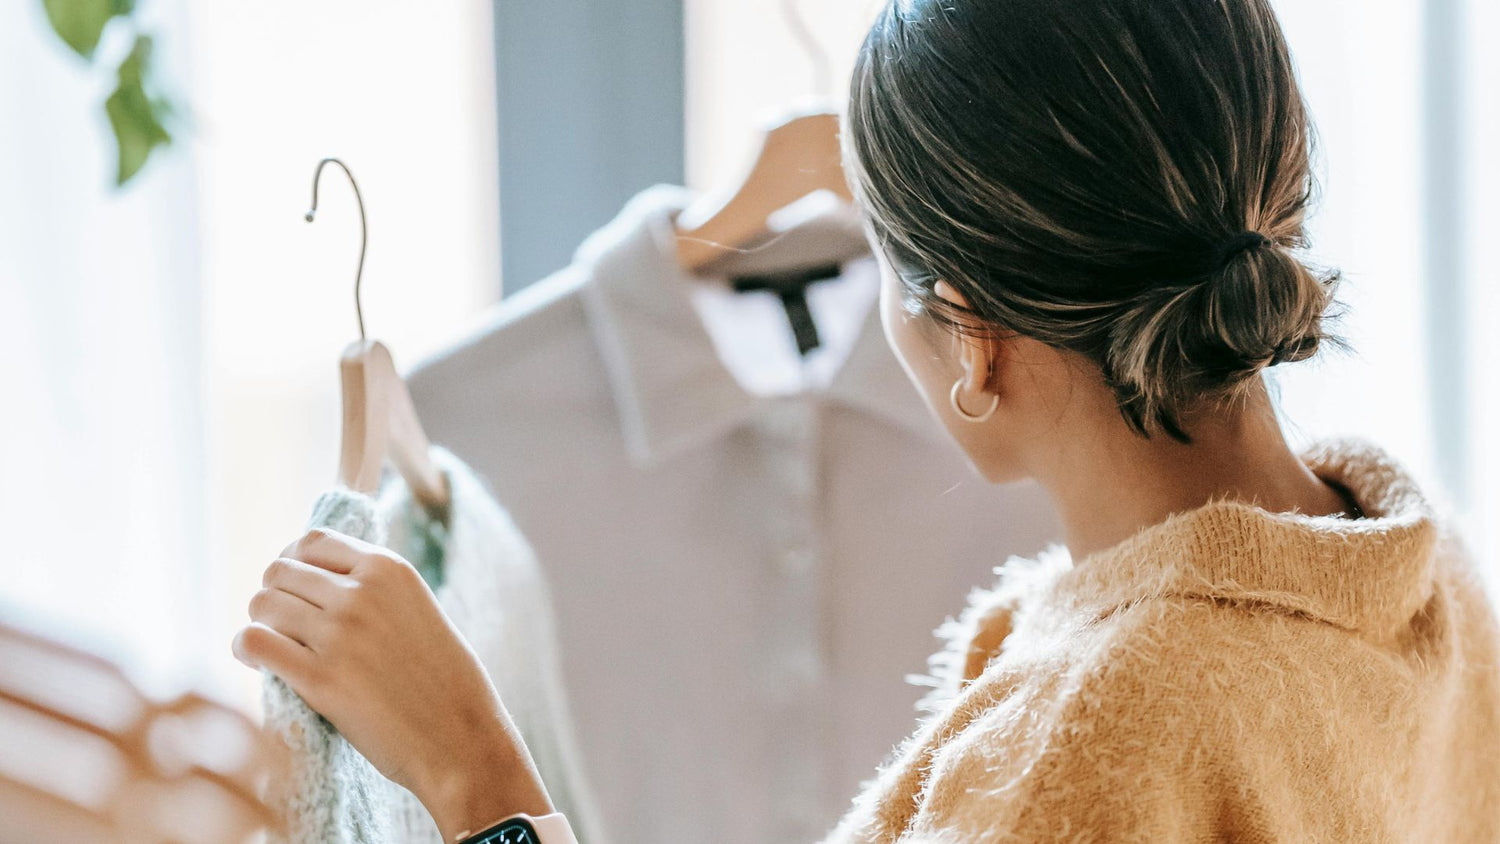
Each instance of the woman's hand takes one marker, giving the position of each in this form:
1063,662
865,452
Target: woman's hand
354,630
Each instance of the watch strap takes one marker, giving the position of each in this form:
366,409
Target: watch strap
554,829
551,829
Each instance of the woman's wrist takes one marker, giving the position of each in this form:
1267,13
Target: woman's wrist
496,780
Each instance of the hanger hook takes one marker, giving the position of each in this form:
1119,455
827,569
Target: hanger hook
815,52
359,312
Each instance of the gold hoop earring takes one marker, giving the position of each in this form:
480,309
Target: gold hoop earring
966,415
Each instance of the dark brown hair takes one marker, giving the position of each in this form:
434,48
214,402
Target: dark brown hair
1124,179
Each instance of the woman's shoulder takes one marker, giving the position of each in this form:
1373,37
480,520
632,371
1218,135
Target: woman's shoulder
969,641
1193,664
1092,726
1218,672
1043,616
1172,707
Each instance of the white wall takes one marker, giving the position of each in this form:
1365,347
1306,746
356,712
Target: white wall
101,438
1362,75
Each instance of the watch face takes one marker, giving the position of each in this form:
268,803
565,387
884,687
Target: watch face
515,831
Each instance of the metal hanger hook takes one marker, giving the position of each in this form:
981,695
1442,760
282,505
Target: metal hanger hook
822,66
359,273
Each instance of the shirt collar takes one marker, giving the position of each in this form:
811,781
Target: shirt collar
1368,575
672,392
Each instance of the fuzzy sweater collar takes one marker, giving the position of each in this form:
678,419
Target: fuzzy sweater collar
1365,575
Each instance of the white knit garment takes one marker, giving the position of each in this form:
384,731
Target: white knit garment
493,592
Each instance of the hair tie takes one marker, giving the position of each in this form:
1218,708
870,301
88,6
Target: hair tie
1242,242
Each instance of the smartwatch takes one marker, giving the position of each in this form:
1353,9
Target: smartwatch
524,829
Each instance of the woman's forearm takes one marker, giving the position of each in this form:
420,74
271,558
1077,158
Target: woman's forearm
490,778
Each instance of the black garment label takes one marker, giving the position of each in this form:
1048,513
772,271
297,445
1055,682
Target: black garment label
791,286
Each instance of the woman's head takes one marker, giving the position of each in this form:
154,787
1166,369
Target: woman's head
1121,181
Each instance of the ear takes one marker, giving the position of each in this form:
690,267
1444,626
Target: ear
977,355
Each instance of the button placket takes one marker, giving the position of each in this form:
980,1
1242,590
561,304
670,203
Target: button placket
798,667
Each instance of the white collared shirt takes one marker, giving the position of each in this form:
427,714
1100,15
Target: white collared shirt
748,554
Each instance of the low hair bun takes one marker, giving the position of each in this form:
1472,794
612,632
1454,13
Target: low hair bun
1238,245
1126,181
1208,338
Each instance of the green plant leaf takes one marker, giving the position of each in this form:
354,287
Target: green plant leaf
136,117
80,22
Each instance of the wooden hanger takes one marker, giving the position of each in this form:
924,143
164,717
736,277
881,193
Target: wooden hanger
798,155
380,421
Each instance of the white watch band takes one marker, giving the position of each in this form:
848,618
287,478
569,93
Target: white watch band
554,829
551,829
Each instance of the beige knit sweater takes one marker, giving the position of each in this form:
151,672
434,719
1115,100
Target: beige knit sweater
1230,674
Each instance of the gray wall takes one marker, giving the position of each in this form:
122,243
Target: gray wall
1446,238
590,110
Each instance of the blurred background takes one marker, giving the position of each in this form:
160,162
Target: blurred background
173,404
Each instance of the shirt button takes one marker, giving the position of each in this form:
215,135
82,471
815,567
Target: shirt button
798,561
803,666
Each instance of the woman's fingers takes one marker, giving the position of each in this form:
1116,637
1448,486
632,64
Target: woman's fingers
318,586
287,614
258,646
329,549
355,631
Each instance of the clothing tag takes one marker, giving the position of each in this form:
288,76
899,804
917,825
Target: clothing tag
792,286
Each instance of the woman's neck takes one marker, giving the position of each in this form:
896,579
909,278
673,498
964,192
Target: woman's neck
1110,482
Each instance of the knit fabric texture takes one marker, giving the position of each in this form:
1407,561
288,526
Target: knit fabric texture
488,583
331,794
1229,674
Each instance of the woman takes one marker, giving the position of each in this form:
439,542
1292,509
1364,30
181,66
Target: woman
1086,214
